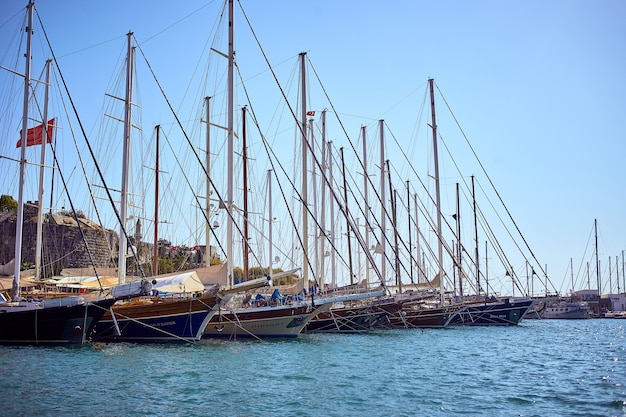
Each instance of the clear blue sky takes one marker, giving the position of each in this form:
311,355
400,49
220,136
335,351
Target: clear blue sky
538,88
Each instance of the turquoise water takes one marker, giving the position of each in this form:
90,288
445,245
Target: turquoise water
539,368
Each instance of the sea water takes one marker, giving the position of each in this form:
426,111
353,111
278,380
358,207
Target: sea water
538,368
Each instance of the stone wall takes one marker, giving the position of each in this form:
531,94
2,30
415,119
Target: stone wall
63,244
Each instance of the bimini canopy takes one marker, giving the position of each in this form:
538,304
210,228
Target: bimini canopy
186,282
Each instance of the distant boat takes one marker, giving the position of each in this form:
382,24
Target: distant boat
60,321
566,309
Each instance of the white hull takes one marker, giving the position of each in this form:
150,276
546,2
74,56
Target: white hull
570,310
262,322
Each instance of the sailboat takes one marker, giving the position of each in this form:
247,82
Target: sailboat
572,307
179,316
422,311
60,321
275,319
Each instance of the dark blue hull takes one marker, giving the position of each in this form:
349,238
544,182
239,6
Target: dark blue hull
174,320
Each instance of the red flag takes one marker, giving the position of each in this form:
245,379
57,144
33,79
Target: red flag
310,113
34,135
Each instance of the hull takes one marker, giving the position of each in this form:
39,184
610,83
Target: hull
262,322
346,320
569,311
500,313
159,321
424,317
62,325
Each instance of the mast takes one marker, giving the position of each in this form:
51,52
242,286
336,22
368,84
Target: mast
207,201
155,255
437,192
123,243
610,277
367,206
393,198
418,258
458,241
44,142
271,219
304,189
322,242
246,237
19,223
332,218
571,266
345,201
408,210
595,225
316,247
383,214
623,273
476,239
617,272
230,123
487,273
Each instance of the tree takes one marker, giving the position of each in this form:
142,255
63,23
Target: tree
7,203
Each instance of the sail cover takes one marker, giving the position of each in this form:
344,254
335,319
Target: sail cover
186,282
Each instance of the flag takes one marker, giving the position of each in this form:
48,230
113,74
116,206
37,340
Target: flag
34,135
310,113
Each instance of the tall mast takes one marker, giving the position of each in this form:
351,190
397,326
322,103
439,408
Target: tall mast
304,190
316,254
418,249
230,168
322,212
393,198
42,172
610,277
207,201
458,241
155,255
271,219
623,273
246,237
476,239
333,268
571,267
383,214
345,202
437,192
121,268
595,225
487,273
617,272
408,212
367,206
19,223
